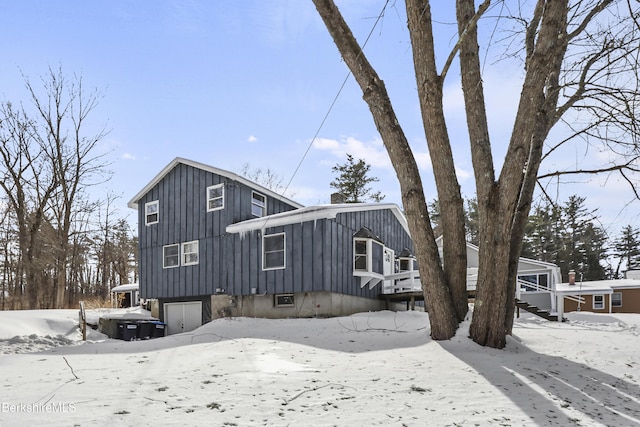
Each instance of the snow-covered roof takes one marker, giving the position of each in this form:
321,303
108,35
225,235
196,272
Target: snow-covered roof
312,213
597,286
125,288
133,203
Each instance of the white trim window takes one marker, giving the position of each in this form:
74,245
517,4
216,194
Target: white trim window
598,302
190,253
151,212
616,299
258,204
171,256
273,251
367,255
360,258
215,197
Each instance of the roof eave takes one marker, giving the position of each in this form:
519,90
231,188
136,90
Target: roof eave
133,203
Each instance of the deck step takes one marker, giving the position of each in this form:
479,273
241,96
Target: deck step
545,314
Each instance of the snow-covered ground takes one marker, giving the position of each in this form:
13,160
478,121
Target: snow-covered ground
363,370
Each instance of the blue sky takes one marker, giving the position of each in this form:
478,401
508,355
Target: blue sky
228,83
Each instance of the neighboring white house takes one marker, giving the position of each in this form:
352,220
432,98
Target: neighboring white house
536,279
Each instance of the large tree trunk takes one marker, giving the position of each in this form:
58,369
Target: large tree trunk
503,202
504,206
454,248
442,313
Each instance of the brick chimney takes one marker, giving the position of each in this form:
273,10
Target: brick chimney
572,277
337,198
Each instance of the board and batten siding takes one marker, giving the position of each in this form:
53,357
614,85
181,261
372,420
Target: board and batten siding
318,256
183,217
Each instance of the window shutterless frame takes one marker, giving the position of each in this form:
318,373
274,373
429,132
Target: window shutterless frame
215,197
273,251
171,256
151,214
190,254
258,204
616,299
598,302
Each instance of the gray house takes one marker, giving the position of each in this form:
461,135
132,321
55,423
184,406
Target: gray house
214,244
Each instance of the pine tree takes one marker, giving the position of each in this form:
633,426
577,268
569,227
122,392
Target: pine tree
583,244
434,213
471,220
353,180
627,249
543,233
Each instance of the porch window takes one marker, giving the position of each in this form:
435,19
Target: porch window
190,253
598,302
534,282
258,204
616,299
151,212
273,254
170,256
215,197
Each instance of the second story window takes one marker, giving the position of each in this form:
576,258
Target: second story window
151,212
215,197
258,204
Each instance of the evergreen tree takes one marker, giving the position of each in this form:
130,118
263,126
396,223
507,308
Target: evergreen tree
353,180
568,237
627,249
471,220
583,244
434,213
543,237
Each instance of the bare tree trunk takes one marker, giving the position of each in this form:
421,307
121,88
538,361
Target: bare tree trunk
435,128
71,155
598,78
507,206
442,312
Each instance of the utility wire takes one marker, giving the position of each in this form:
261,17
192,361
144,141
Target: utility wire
333,103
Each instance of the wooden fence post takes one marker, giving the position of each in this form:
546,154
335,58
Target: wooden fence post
83,321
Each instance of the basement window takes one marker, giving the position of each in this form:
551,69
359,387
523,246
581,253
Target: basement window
284,300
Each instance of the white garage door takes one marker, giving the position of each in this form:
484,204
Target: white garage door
182,316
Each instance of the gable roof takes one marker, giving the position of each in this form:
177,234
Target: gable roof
312,213
133,203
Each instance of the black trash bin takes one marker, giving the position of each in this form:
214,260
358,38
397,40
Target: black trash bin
127,331
157,329
145,329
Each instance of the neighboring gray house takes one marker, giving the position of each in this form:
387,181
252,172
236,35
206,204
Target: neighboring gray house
214,244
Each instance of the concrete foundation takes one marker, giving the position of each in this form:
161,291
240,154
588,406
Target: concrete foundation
302,304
